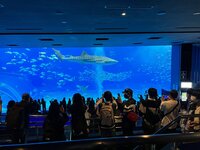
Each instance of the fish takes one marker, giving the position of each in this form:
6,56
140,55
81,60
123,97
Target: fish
82,88
42,53
86,58
33,60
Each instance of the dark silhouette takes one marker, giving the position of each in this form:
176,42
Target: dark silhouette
18,118
128,106
44,106
78,122
54,123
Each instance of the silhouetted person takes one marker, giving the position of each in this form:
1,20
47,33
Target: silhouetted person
69,106
148,109
128,106
18,119
78,122
170,108
106,111
92,109
64,104
39,105
44,109
54,123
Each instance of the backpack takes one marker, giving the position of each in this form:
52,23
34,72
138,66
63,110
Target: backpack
15,117
153,117
106,115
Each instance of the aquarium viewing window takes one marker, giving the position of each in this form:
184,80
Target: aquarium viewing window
54,73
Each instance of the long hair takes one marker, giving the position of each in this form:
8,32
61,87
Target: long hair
54,110
78,102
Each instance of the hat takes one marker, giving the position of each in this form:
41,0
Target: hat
128,90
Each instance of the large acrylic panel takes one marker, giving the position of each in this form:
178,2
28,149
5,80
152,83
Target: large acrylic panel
48,74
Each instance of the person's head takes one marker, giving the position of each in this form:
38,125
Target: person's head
108,96
54,108
152,93
128,93
173,94
195,95
77,99
26,97
11,103
189,92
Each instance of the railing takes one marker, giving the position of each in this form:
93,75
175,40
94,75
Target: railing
133,140
36,128
107,143
177,119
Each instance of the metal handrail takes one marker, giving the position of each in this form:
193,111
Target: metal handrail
180,116
98,143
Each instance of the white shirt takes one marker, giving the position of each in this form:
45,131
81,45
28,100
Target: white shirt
167,106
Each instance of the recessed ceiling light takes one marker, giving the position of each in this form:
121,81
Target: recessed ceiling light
196,13
123,13
64,22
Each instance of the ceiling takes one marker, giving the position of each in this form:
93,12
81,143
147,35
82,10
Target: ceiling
96,23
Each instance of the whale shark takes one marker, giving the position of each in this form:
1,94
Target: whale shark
86,58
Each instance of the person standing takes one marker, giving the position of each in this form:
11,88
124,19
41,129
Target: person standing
17,119
44,106
193,123
107,110
128,106
54,123
78,121
170,108
149,109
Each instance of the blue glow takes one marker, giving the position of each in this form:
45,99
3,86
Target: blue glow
40,72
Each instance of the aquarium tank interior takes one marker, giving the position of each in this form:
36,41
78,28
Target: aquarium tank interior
56,73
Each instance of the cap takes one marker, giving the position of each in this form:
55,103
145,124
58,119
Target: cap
128,90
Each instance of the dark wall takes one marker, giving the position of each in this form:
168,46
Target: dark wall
186,61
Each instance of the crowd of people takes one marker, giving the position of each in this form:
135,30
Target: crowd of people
155,112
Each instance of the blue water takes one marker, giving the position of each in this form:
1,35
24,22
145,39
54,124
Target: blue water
40,72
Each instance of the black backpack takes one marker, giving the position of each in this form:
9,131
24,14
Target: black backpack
15,118
153,117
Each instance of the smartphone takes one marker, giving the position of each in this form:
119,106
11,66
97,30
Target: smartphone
165,97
